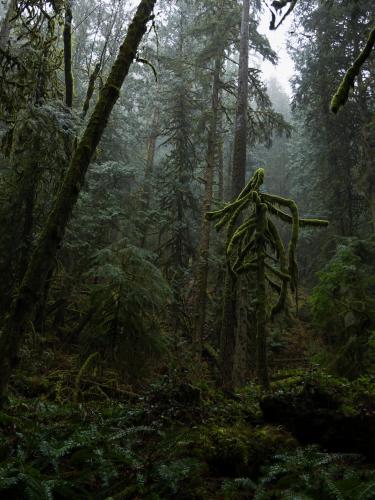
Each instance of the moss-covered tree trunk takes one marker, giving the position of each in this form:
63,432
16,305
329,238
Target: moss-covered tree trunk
23,305
228,330
201,277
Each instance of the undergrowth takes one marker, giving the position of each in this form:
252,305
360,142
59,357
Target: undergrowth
178,441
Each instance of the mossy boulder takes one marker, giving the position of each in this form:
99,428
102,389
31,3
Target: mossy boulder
326,410
238,450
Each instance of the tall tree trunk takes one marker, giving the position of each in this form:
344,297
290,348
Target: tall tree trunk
204,242
149,167
67,36
228,173
228,330
240,135
372,207
32,286
220,166
240,359
261,312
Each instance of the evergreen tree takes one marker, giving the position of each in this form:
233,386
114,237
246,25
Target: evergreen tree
333,33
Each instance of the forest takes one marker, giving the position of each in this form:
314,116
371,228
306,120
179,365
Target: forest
187,250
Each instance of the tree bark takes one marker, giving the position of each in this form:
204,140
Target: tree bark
201,277
90,89
220,167
23,306
150,158
67,36
261,311
240,135
5,18
228,330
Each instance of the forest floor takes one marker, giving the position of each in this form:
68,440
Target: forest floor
78,435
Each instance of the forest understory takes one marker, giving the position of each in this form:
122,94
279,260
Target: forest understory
187,250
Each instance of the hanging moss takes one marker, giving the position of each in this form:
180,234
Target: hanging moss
256,246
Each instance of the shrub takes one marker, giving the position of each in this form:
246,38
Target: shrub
343,307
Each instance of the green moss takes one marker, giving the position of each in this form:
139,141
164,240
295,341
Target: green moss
348,398
239,449
347,83
253,244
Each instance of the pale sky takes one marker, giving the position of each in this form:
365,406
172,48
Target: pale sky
278,39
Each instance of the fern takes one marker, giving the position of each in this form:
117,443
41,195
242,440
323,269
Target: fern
239,486
307,473
174,473
69,452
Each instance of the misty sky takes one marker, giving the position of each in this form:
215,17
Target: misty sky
278,39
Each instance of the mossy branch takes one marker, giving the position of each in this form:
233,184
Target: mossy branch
243,242
279,306
286,217
342,93
280,274
256,242
240,233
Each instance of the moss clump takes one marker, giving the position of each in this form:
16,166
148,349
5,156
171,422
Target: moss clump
239,449
254,245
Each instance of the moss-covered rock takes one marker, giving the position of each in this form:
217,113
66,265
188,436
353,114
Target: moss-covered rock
326,410
238,450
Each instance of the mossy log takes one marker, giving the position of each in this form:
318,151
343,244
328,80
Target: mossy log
23,305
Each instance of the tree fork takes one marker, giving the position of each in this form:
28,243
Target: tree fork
23,305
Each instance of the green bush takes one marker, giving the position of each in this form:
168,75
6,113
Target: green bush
52,452
307,474
343,307
127,300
